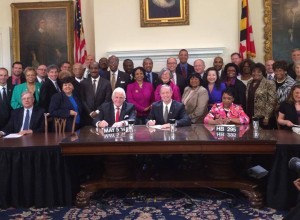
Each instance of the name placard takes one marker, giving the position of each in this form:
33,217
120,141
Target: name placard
109,130
227,128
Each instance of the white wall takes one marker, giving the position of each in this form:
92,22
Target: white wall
114,25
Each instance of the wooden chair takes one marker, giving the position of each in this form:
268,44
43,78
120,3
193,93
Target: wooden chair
59,123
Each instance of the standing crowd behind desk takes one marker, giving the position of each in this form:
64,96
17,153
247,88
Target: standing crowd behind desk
92,84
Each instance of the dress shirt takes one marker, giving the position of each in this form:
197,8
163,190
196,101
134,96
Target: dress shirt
97,80
79,80
174,78
86,73
55,83
169,106
272,75
1,90
40,80
24,115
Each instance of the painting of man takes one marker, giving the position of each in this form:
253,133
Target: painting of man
164,8
44,40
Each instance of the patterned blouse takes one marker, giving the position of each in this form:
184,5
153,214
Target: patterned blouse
235,111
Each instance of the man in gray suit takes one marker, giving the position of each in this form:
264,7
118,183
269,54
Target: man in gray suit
116,77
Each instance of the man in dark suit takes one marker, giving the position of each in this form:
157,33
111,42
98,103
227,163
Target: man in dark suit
94,91
178,79
116,77
151,77
27,119
166,109
17,77
117,112
5,97
183,68
49,87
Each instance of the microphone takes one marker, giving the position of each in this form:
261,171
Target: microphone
294,164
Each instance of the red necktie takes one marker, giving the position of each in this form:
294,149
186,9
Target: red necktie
183,72
118,115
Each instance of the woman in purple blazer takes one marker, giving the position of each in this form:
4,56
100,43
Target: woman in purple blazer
214,86
141,94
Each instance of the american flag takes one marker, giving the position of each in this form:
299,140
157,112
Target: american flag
247,46
79,47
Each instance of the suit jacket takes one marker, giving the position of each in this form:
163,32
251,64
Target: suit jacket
122,80
181,82
60,106
177,111
107,113
47,91
10,83
93,102
5,108
195,103
36,124
16,101
155,80
190,69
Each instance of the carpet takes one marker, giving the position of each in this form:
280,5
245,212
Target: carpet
153,204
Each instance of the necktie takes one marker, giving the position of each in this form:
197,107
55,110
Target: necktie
270,77
4,96
94,86
166,114
148,77
16,82
56,86
118,115
183,72
26,121
113,81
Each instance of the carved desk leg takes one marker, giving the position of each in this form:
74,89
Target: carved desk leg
255,197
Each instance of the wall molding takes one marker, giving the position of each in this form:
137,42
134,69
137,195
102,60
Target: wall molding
159,56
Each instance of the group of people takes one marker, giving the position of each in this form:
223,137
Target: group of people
99,94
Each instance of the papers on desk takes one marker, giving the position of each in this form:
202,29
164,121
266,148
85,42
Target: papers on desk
155,126
16,135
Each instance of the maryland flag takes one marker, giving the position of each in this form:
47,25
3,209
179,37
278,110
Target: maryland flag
247,46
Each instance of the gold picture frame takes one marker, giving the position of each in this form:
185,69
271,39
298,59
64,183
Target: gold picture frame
156,13
43,32
282,29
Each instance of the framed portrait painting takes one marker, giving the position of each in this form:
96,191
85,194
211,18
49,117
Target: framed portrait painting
282,28
43,32
156,13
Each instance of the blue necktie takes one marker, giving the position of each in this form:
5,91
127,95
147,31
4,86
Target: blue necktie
148,77
4,96
26,122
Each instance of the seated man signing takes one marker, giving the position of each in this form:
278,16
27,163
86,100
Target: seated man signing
27,119
166,109
116,112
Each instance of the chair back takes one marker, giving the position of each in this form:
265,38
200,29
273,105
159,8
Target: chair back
59,123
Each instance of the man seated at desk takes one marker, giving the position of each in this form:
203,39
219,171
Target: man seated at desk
166,109
27,119
116,112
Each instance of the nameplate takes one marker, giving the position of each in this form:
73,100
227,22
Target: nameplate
226,134
109,130
227,128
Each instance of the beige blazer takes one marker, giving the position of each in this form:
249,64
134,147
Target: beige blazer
195,102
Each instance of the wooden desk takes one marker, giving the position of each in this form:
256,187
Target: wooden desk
197,139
